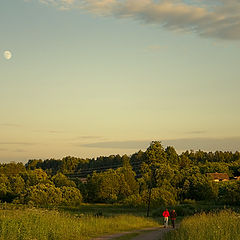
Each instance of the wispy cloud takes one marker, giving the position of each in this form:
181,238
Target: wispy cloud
206,144
55,131
214,18
10,125
90,137
196,132
119,144
20,150
182,144
18,143
154,48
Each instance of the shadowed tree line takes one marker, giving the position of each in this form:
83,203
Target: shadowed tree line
164,174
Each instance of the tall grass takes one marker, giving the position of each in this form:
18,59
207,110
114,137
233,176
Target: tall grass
106,209
35,224
224,225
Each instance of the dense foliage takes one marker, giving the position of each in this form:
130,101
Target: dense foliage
161,173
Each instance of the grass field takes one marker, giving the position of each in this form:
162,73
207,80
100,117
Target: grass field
224,225
37,224
104,209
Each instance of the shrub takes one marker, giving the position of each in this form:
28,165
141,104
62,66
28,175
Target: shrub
181,210
162,197
42,195
71,196
189,201
134,201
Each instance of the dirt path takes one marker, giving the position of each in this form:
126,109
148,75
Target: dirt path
147,234
124,233
153,235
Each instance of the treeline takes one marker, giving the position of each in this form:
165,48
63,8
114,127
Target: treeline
168,176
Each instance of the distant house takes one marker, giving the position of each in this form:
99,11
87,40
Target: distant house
83,180
237,178
218,177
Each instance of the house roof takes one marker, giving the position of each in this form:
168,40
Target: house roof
218,176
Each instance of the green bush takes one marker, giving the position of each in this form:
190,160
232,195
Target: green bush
71,196
43,195
134,201
49,195
159,197
229,192
189,201
181,210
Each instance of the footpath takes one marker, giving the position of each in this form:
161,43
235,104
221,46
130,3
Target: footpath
144,234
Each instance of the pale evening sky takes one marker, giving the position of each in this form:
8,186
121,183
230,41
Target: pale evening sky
89,78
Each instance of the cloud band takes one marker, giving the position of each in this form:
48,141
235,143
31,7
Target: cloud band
213,18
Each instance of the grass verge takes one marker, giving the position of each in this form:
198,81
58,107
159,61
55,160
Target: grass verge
37,224
224,225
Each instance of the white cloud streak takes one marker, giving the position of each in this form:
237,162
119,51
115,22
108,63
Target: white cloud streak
213,18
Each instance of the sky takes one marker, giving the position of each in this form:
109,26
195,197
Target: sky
89,78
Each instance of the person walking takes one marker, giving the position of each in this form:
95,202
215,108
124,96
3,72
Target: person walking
173,216
166,215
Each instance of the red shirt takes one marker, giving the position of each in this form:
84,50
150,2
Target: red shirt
166,214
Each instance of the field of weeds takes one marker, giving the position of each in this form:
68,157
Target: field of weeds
39,224
224,225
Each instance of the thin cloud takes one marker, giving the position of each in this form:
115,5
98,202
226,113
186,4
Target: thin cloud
182,144
215,19
196,132
18,143
55,131
155,48
119,144
20,151
10,125
206,144
88,137
49,131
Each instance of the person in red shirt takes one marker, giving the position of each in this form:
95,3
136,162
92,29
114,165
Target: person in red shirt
165,216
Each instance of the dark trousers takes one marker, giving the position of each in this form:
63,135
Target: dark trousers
173,223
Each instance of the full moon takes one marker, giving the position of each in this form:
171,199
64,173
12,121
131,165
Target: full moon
7,55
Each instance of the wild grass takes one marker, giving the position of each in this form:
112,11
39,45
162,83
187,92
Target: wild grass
36,224
106,209
224,225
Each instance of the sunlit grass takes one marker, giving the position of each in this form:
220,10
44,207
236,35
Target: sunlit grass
224,225
106,209
38,224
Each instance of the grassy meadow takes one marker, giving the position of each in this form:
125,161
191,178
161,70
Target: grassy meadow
107,210
224,225
39,224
